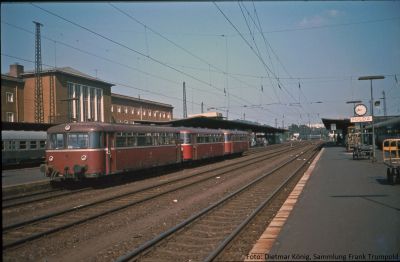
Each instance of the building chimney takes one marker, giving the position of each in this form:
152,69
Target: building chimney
16,70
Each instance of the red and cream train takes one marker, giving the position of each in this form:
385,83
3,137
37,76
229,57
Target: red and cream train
79,150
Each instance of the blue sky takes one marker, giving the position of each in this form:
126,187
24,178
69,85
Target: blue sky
149,49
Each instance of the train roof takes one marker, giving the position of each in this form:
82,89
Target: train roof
200,130
106,127
388,124
235,132
23,135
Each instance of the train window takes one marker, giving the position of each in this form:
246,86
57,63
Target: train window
2,145
33,145
131,140
96,140
22,145
144,139
185,138
11,145
78,140
121,140
227,137
42,144
56,141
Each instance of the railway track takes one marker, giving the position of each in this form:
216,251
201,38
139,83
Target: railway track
18,233
33,196
206,234
25,199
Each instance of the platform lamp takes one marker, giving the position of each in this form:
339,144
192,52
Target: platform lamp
372,110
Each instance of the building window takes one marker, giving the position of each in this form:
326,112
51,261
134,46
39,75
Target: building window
133,111
100,110
70,105
119,109
10,116
126,110
10,97
85,105
92,106
112,109
78,102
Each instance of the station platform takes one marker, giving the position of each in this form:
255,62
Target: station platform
345,212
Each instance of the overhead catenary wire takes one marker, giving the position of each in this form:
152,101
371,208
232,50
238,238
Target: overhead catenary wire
219,70
266,67
132,50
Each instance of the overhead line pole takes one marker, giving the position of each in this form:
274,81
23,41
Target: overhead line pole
38,99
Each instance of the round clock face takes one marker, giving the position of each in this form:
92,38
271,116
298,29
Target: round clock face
360,110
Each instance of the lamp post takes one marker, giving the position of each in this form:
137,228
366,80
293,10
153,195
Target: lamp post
372,110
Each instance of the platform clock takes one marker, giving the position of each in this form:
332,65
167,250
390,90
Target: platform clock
360,110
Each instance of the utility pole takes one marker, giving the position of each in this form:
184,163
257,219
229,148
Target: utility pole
370,78
184,101
384,103
276,122
202,107
39,115
52,102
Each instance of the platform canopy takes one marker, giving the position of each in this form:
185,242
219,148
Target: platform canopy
341,124
207,122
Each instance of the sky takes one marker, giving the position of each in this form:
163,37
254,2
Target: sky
276,63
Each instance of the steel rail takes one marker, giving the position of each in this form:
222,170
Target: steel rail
34,236
238,229
151,243
19,224
62,193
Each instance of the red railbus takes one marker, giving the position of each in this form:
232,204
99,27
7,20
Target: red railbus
85,150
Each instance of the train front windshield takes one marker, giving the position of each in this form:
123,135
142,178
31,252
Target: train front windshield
75,140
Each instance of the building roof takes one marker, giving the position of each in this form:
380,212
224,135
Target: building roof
69,71
12,78
140,100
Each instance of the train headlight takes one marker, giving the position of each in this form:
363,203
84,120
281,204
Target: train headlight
83,157
51,158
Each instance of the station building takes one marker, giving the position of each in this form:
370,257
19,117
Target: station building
126,109
72,96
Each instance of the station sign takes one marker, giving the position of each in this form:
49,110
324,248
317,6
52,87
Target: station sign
359,119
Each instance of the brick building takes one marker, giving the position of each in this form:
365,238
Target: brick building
126,109
76,97
12,95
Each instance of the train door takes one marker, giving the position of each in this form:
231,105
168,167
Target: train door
108,146
194,143
178,145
